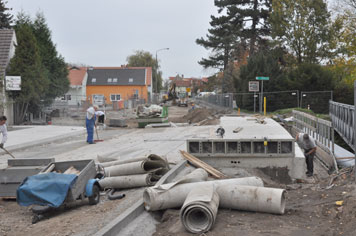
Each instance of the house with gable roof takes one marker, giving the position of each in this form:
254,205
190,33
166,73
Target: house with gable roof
8,44
115,84
76,94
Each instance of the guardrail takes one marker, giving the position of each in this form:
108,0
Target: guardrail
342,116
321,130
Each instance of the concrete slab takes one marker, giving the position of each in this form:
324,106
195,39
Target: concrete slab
26,136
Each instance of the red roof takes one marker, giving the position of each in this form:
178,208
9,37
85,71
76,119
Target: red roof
76,75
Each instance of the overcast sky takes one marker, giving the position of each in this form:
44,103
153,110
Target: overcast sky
104,33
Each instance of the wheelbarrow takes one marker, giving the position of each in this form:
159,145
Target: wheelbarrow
53,188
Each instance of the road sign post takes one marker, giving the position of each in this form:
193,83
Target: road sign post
262,78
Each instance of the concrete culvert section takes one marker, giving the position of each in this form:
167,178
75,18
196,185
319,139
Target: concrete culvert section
129,181
140,167
199,210
154,199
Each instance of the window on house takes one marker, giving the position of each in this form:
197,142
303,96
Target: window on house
93,80
115,97
109,80
69,97
114,80
130,80
63,98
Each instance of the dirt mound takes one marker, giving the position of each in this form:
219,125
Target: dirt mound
199,114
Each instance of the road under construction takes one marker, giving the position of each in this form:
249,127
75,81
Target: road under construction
250,146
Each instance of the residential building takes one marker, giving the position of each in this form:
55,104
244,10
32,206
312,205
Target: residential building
8,44
76,94
115,84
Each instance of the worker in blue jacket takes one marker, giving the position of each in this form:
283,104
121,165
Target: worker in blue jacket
90,123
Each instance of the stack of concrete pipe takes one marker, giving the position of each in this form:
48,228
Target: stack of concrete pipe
200,200
134,172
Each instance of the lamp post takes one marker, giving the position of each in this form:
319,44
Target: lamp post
156,82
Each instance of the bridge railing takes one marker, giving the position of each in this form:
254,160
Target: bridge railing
321,130
342,116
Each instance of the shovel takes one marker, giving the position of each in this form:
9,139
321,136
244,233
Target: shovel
8,152
97,136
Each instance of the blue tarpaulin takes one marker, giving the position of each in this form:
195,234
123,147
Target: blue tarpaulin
45,189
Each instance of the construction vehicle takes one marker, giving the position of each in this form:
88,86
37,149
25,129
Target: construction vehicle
183,99
172,95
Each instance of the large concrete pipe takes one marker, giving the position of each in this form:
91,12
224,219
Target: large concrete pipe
250,198
129,181
199,209
134,168
151,157
196,175
120,162
155,199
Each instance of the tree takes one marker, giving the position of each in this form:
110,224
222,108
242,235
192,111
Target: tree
145,59
221,40
254,16
55,68
304,27
264,63
5,18
27,64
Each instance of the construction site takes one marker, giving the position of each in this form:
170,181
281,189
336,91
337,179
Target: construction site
213,172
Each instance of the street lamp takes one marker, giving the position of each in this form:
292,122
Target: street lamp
157,67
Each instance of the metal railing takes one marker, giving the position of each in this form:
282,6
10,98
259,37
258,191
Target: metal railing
321,130
342,116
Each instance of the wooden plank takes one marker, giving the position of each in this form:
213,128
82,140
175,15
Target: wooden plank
199,163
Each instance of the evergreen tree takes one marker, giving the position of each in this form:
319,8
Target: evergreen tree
5,18
27,64
255,17
221,40
55,68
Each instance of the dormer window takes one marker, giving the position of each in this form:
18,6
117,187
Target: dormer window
109,80
130,80
114,80
93,80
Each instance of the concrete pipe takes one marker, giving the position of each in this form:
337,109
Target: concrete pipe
134,168
120,162
155,199
196,175
129,181
250,198
199,209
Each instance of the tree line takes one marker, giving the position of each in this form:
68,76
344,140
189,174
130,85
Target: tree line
300,44
44,73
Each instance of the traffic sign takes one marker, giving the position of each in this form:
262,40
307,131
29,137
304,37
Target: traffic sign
262,78
253,86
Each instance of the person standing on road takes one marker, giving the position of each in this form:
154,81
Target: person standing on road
3,130
90,123
308,144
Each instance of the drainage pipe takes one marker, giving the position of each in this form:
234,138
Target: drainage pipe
251,198
120,162
134,168
129,181
196,175
199,210
157,200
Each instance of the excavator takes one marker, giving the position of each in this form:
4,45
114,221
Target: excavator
172,95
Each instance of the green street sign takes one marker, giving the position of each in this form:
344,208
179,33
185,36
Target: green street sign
262,78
